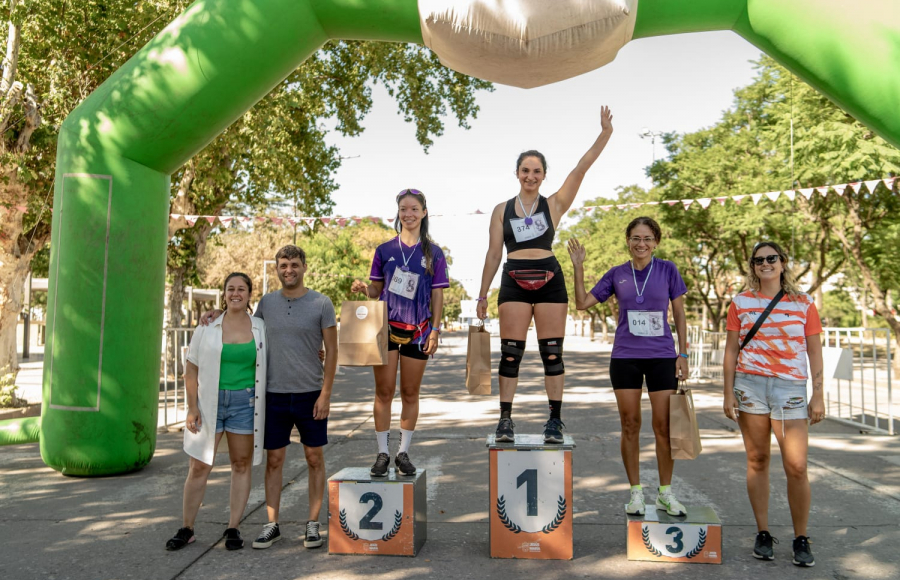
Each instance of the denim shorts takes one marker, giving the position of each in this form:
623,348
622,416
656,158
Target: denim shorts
235,412
780,399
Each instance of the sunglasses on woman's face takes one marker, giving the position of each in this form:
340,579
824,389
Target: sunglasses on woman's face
771,259
409,191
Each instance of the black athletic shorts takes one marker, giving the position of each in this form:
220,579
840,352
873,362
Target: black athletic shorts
408,350
553,292
629,373
284,411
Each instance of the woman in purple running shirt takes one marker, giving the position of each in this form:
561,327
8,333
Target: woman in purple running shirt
644,348
409,272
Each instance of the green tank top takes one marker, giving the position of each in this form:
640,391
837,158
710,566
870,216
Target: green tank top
237,368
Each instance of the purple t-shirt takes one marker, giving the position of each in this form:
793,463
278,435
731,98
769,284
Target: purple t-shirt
664,284
388,257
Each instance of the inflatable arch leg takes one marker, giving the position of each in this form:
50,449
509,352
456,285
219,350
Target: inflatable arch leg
117,150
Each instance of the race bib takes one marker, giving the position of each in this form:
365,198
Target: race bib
404,283
646,322
524,232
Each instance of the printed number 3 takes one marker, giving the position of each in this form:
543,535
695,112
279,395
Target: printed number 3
677,536
529,478
366,522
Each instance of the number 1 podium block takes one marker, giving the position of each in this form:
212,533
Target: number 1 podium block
384,516
531,498
658,537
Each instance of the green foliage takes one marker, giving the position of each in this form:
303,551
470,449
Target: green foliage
8,389
839,309
452,300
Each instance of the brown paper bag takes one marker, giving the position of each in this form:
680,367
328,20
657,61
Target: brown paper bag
684,432
478,361
363,339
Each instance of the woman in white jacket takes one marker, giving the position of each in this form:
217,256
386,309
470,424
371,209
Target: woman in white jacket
225,380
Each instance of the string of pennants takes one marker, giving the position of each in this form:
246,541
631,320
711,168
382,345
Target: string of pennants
705,202
227,221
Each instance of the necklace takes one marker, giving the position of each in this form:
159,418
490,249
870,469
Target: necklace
405,266
640,293
528,214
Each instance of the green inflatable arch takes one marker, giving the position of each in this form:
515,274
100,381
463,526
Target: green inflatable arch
118,149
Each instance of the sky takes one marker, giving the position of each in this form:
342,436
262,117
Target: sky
678,83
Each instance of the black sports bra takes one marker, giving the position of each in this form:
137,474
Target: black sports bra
541,220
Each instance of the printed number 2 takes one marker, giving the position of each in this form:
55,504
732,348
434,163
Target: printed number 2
366,522
676,537
529,478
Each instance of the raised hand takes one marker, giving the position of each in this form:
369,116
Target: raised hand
576,252
606,118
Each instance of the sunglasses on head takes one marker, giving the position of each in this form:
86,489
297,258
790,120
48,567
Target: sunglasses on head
758,260
409,192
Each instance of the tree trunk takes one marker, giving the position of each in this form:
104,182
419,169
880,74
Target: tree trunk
15,263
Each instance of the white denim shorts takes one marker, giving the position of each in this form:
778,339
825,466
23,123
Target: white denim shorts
780,399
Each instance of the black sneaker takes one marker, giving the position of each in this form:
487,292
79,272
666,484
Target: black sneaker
312,539
505,431
233,539
803,555
182,538
268,536
553,431
380,468
404,465
763,549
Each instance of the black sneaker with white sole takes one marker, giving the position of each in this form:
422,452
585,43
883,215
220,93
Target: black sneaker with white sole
763,548
553,431
233,539
182,538
404,465
312,539
268,536
803,555
505,433
380,468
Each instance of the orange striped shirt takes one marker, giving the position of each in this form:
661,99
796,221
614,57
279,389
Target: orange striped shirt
778,349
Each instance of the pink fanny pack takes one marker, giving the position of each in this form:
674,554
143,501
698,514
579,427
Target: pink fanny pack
531,279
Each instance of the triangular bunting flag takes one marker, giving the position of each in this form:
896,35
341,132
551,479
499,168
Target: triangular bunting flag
790,194
671,202
341,221
839,189
622,206
245,219
479,212
773,195
721,200
738,198
210,218
375,220
588,209
872,184
687,203
293,220
261,219
358,220
704,202
606,207
636,205
310,221
277,221
325,220
226,221
856,186
756,197
889,183
174,216
651,203
191,219
807,192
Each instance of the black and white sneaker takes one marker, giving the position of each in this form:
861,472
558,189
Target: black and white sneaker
233,539
763,548
505,433
404,465
182,538
268,536
312,539
553,431
380,468
803,555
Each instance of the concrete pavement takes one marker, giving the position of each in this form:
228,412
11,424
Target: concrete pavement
116,527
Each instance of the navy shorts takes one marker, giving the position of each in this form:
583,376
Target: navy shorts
629,373
284,411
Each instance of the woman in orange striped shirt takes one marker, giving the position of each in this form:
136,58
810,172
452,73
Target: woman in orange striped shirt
765,388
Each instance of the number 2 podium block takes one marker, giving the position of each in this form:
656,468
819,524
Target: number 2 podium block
658,537
384,516
531,498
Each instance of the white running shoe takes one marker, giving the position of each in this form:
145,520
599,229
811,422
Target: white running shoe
636,506
669,504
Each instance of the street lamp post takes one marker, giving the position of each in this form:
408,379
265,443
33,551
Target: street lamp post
652,135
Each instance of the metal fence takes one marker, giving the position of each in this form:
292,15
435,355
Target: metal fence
173,406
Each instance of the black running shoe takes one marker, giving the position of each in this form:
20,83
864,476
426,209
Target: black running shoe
763,549
268,536
380,468
312,539
404,465
182,538
233,539
505,431
803,555
553,431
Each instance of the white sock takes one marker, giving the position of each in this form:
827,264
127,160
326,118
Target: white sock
405,440
384,438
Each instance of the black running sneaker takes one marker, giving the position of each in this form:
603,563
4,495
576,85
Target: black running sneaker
803,555
182,538
233,539
312,539
763,549
268,536
553,431
380,468
404,465
505,431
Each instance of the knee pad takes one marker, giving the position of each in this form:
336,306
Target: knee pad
551,350
511,352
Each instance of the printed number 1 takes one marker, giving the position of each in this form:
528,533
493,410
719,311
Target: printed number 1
366,522
529,478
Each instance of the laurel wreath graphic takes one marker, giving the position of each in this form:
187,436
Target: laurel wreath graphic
701,542
645,534
398,521
342,517
560,516
504,519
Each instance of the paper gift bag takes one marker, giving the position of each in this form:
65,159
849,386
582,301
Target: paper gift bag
363,339
684,432
478,361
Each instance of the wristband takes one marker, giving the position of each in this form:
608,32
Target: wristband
480,298
683,354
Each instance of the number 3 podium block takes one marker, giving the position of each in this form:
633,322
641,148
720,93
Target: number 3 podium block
531,498
384,516
659,537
